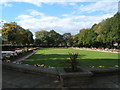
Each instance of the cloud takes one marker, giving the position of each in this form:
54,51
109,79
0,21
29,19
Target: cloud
38,2
24,17
70,23
65,15
101,5
72,4
35,13
35,2
7,5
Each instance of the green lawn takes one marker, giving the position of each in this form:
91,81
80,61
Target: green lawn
57,56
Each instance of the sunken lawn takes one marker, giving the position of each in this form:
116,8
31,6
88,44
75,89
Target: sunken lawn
58,57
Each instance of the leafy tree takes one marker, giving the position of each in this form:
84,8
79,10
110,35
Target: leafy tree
9,32
30,39
43,37
37,42
82,37
50,38
103,34
54,38
67,39
15,34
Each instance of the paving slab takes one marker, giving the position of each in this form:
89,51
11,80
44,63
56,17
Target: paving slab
15,79
25,80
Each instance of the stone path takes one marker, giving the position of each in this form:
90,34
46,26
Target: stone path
14,79
25,57
104,81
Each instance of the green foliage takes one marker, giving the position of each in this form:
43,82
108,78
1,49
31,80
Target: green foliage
73,56
45,38
16,35
67,39
73,60
103,34
41,38
55,38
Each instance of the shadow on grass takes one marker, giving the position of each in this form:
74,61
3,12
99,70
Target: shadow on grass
49,59
61,56
60,60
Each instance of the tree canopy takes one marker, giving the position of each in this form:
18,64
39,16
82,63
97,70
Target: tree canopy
104,34
15,34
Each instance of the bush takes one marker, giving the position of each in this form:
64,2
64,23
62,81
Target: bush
73,61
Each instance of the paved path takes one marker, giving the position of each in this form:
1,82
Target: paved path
104,81
25,57
14,79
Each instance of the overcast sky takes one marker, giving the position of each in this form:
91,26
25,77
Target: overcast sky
61,15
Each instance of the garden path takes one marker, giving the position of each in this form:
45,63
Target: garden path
15,79
24,57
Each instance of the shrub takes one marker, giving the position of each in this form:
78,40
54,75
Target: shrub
73,61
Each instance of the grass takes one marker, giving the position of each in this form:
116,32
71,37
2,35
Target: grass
57,57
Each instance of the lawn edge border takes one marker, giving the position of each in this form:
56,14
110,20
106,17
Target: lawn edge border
52,71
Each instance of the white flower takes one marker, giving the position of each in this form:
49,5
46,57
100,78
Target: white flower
92,66
42,65
116,66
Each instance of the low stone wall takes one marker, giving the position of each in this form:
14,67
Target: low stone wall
53,71
67,79
105,70
30,69
70,79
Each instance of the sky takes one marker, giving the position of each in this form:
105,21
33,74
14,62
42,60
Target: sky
63,16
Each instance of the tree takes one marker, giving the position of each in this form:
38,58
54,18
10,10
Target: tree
37,42
67,39
82,41
108,31
43,37
15,34
50,38
30,39
54,38
9,32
